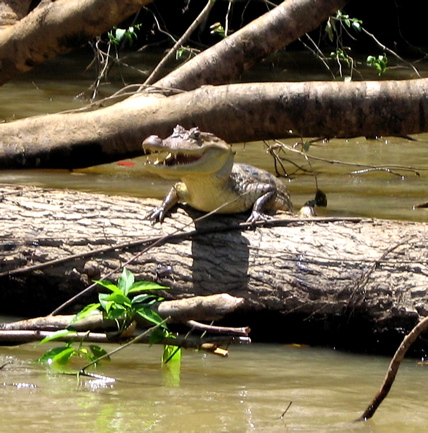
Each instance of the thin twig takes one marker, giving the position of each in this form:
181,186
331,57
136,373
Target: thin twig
385,48
388,168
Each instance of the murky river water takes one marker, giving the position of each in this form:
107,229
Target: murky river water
251,389
246,392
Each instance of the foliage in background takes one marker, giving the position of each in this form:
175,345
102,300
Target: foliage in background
380,63
117,35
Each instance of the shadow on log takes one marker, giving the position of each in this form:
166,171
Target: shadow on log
351,283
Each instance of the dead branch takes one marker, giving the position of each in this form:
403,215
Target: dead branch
197,308
28,336
393,369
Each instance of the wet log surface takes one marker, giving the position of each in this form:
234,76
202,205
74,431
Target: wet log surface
358,284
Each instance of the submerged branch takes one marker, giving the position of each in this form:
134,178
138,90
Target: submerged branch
22,336
391,168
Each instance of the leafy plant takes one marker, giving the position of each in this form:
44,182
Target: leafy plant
380,63
60,356
218,29
118,305
118,35
345,20
341,55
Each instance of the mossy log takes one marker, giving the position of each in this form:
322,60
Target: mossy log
354,283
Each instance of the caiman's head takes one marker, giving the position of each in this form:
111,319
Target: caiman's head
187,153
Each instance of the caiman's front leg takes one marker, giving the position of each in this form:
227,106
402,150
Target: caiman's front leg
159,212
261,204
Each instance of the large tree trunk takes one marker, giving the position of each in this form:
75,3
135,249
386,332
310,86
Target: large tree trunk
11,11
258,111
86,139
351,283
56,27
271,32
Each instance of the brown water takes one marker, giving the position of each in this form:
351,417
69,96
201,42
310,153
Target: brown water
248,391
374,193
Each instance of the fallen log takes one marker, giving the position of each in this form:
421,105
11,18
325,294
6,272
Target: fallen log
352,283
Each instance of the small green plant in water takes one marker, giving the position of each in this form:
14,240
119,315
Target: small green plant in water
118,305
59,357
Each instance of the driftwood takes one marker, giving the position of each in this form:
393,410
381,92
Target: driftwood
353,283
392,371
197,308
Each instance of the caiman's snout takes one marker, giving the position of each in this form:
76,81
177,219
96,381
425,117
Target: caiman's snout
151,141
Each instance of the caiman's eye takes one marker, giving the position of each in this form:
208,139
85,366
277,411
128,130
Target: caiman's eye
195,134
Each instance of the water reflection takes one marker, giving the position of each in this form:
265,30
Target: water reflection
249,391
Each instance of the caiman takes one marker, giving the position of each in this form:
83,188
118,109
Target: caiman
209,178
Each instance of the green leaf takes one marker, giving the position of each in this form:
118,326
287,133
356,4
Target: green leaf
151,316
329,29
306,146
58,334
120,33
116,313
171,354
47,358
116,298
85,312
64,356
143,299
109,286
126,281
356,25
98,352
146,285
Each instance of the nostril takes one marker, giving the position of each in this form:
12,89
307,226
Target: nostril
152,140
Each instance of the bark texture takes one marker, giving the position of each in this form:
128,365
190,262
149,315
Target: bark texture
57,27
11,11
359,284
237,112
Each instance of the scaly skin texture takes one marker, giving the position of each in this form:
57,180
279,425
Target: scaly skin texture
209,179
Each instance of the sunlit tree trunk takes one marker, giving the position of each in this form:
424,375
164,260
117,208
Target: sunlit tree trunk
11,11
238,112
56,27
271,32
117,132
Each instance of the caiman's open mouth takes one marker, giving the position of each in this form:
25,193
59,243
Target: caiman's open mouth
171,159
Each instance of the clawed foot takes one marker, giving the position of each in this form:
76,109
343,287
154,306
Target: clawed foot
258,216
155,215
